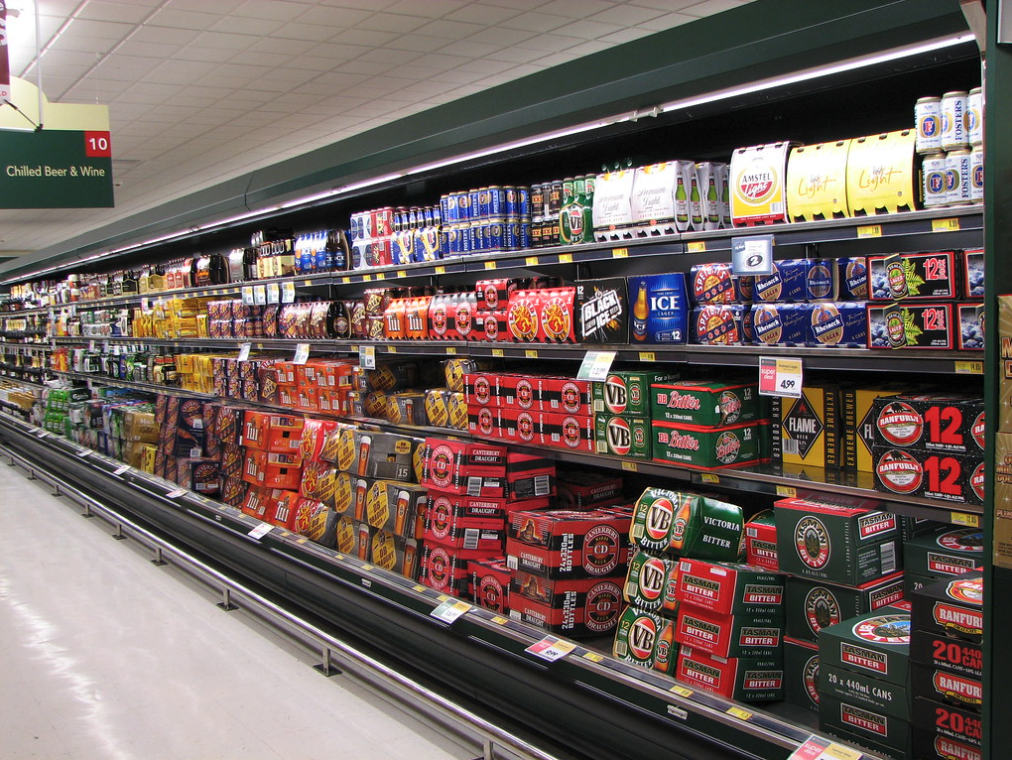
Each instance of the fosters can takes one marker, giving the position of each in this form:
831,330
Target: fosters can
977,175
954,120
933,170
957,177
928,117
975,117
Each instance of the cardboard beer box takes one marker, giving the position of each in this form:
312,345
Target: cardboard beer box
931,421
464,467
660,198
445,568
316,521
703,403
659,309
281,508
558,543
955,478
805,430
941,685
836,543
353,537
817,181
612,207
652,583
720,325
264,468
801,673
882,175
645,639
602,311
596,615
623,436
706,447
580,489
278,433
875,643
952,607
756,178
395,507
944,732
716,283
385,455
864,690
627,392
746,679
943,652
450,529
570,593
911,325
970,317
814,605
565,395
761,541
731,589
687,525
529,476
490,584
728,635
780,324
857,423
199,474
863,725
568,431
398,554
914,276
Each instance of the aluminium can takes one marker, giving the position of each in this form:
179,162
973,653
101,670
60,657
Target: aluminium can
495,235
977,174
957,177
954,120
928,118
536,199
975,117
483,203
511,201
933,171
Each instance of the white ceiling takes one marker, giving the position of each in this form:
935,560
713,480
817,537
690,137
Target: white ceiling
201,91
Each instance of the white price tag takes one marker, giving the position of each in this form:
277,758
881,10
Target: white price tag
301,353
752,255
91,345
260,295
244,351
176,493
105,347
551,648
121,469
818,748
780,377
367,357
84,453
450,610
261,530
273,293
247,296
596,365
288,292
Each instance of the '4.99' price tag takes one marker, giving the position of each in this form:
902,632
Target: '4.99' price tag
780,377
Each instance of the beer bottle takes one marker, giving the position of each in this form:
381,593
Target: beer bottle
640,314
681,203
695,205
712,211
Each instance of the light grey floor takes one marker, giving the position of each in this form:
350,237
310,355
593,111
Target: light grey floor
104,656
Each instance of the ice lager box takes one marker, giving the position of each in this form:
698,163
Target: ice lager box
875,643
947,477
645,639
490,584
949,552
952,607
622,436
731,589
943,732
814,605
651,583
659,307
706,404
395,507
864,725
863,690
925,326
914,276
835,543
817,181
558,543
881,174
757,177
801,673
942,685
931,421
687,525
761,541
728,635
602,311
627,392
705,447
747,679
593,612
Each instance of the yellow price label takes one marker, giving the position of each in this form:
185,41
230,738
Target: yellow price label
531,353
451,350
786,491
367,567
490,265
307,283
500,620
565,258
354,349
969,368
696,246
870,231
709,477
739,713
339,557
367,278
629,466
593,657
620,253
839,752
402,273
462,606
945,225
497,352
647,356
346,280
963,518
419,588
440,270
681,691
301,540
391,349
381,275
443,598
531,261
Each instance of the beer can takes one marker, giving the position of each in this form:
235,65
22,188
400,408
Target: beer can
975,117
496,201
933,171
928,118
537,200
977,175
444,206
553,198
957,177
463,206
525,231
537,226
954,120
511,235
483,203
477,236
474,201
523,200
511,202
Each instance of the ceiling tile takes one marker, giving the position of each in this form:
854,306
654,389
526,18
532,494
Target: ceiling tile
550,43
341,18
470,49
163,35
201,53
275,11
449,30
174,18
307,32
503,36
625,15
368,68
440,61
710,7
362,37
536,22
252,26
121,12
417,42
392,22
668,21
181,72
481,13
260,58
429,8
225,41
576,8
625,35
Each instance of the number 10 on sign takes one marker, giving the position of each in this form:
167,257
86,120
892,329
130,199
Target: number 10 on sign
780,377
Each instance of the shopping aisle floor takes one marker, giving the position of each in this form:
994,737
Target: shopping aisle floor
105,656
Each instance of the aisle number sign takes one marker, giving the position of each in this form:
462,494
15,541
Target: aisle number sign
55,168
780,377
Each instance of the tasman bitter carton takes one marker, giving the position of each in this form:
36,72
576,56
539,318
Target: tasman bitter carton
814,605
875,644
731,589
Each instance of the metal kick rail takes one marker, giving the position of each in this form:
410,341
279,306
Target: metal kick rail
397,685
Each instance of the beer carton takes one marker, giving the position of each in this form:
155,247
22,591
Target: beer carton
837,325
946,477
720,325
882,174
612,207
710,404
660,198
970,317
398,554
568,431
931,421
490,584
801,429
659,308
580,489
801,673
278,433
941,652
756,179
716,283
952,607
747,679
863,690
645,639
761,541
385,455
563,544
852,274
863,725
651,583
395,507
836,543
875,643
943,732
780,324
728,635
602,311
912,325
462,467
706,447
731,589
264,468
972,274
687,525
857,423
594,612
316,521
914,276
817,181
281,508
942,685
814,605
450,529
564,395
627,392
622,436
529,476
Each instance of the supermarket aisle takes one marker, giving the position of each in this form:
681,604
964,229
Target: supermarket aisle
104,656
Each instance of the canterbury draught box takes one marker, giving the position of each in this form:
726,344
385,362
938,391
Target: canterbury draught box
728,588
748,679
490,584
951,551
814,605
835,543
952,607
593,613
652,583
645,639
687,525
477,469
558,543
876,643
705,404
627,392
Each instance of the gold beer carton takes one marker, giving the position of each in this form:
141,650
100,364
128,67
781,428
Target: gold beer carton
881,174
757,184
817,181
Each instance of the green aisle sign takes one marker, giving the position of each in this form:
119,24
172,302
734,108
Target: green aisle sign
55,169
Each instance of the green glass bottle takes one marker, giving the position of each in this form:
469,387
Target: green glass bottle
681,204
695,204
712,210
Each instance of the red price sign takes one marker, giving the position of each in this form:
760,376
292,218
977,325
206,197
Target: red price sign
767,376
97,145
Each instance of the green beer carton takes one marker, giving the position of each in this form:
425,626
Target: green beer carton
627,392
687,525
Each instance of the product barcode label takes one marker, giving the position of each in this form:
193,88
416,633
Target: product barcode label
471,538
474,486
621,649
888,552
792,447
542,485
511,562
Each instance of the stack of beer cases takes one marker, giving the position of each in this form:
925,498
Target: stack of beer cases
841,561
272,465
946,665
315,516
492,298
181,435
707,424
376,493
447,407
225,436
942,554
930,445
621,406
864,680
720,314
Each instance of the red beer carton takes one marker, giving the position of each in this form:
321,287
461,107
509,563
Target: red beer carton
461,467
761,541
585,609
279,433
728,635
726,588
565,544
445,569
568,431
490,584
